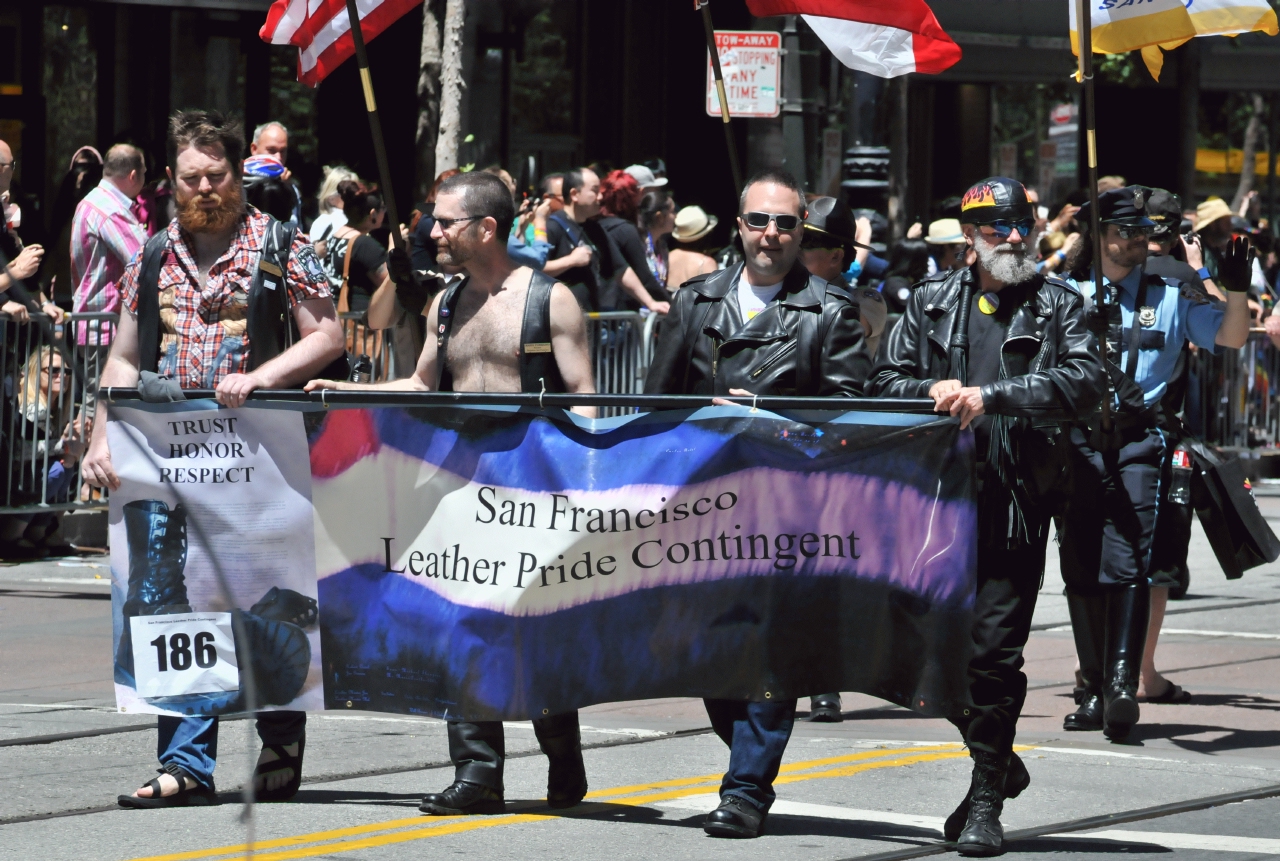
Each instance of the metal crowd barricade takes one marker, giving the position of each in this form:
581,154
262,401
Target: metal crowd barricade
617,342
50,374
1232,396
377,345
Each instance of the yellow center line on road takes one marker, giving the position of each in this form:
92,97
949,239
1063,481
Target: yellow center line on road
404,830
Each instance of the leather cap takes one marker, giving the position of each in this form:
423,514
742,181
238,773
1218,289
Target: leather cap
1165,209
1125,206
995,198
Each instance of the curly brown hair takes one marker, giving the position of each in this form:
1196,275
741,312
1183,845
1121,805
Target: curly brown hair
206,129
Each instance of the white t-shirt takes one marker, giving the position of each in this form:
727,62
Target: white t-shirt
752,299
324,226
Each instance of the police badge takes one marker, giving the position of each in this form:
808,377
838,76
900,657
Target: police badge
1146,316
1137,198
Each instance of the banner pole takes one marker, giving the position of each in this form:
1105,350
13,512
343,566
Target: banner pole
375,126
705,6
1084,21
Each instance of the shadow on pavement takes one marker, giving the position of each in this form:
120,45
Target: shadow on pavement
1234,739
1078,845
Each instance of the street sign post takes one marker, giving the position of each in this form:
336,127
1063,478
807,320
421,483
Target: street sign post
751,64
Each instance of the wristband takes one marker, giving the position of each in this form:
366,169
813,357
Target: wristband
539,235
1060,254
1204,274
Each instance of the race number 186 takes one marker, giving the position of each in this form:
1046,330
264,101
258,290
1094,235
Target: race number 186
188,653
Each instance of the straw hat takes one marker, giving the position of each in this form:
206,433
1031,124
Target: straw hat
692,223
945,231
1210,211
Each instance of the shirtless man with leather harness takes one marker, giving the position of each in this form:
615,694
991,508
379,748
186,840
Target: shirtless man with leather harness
501,329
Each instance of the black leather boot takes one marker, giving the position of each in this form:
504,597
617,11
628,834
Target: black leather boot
1088,625
982,834
561,740
157,541
825,708
1128,611
1016,779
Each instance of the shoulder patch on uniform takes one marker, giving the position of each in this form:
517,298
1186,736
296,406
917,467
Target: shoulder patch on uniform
1191,294
869,294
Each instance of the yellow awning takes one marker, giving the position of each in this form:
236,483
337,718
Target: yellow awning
1228,161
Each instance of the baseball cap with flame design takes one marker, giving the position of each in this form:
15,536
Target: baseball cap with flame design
996,198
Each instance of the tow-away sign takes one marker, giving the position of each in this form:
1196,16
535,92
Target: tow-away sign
750,62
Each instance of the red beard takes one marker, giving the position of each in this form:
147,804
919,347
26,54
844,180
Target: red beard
195,219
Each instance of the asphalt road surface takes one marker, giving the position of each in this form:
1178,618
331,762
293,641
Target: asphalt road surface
1196,781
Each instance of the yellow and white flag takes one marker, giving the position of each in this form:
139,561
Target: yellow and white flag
1120,26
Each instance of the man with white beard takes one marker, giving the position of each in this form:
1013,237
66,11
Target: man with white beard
1007,351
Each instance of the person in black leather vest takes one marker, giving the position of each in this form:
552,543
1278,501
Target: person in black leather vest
763,327
1007,350
500,329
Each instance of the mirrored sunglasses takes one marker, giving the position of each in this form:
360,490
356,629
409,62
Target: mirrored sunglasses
1003,228
760,220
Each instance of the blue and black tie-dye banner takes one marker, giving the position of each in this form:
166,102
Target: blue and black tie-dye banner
501,564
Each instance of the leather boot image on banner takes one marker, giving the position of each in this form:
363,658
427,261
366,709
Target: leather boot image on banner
157,538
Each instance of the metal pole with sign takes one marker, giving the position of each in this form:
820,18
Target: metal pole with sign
1102,326
705,6
375,126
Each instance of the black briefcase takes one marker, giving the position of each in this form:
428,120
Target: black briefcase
1240,536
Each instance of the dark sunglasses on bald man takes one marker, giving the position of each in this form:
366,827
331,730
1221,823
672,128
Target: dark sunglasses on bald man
1003,228
760,220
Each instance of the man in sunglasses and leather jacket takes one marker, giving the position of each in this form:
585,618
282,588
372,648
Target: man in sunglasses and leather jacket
763,327
1006,350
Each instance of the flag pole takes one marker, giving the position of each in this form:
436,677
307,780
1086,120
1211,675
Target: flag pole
705,6
1084,27
375,126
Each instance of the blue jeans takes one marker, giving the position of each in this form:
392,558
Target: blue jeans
191,743
757,735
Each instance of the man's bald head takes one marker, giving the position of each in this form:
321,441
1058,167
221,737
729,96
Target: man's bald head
126,167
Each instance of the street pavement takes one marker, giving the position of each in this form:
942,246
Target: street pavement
877,785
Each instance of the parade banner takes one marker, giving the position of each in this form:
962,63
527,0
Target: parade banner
487,563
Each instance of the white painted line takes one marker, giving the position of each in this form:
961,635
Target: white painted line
708,802
1243,635
79,581
1080,751
82,565
1168,840
1240,634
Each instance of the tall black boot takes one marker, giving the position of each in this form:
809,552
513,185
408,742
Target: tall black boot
1016,779
157,541
983,835
1128,611
561,740
1089,626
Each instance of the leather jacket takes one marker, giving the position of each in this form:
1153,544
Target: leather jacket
1050,366
808,342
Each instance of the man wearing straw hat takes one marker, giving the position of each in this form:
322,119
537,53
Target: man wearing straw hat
693,226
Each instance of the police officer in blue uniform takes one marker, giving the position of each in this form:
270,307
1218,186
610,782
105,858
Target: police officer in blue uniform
1107,532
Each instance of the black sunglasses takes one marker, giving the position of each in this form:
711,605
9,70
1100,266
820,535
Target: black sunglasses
1126,231
446,223
760,220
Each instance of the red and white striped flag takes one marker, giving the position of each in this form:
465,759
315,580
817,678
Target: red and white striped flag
883,37
321,30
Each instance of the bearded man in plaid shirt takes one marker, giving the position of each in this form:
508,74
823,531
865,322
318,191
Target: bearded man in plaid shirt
210,258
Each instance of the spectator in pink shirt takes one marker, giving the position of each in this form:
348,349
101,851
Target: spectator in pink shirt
105,235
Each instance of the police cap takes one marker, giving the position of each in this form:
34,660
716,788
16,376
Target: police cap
996,198
1125,206
1165,209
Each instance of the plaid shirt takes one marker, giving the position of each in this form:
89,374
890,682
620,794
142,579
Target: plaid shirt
105,235
203,334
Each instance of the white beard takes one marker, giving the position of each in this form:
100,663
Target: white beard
1007,263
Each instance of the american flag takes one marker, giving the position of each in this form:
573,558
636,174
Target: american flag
321,30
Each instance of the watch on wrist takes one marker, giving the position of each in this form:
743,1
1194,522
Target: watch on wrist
1204,274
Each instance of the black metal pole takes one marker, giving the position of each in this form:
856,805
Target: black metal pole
375,126
382,397
1085,29
705,6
